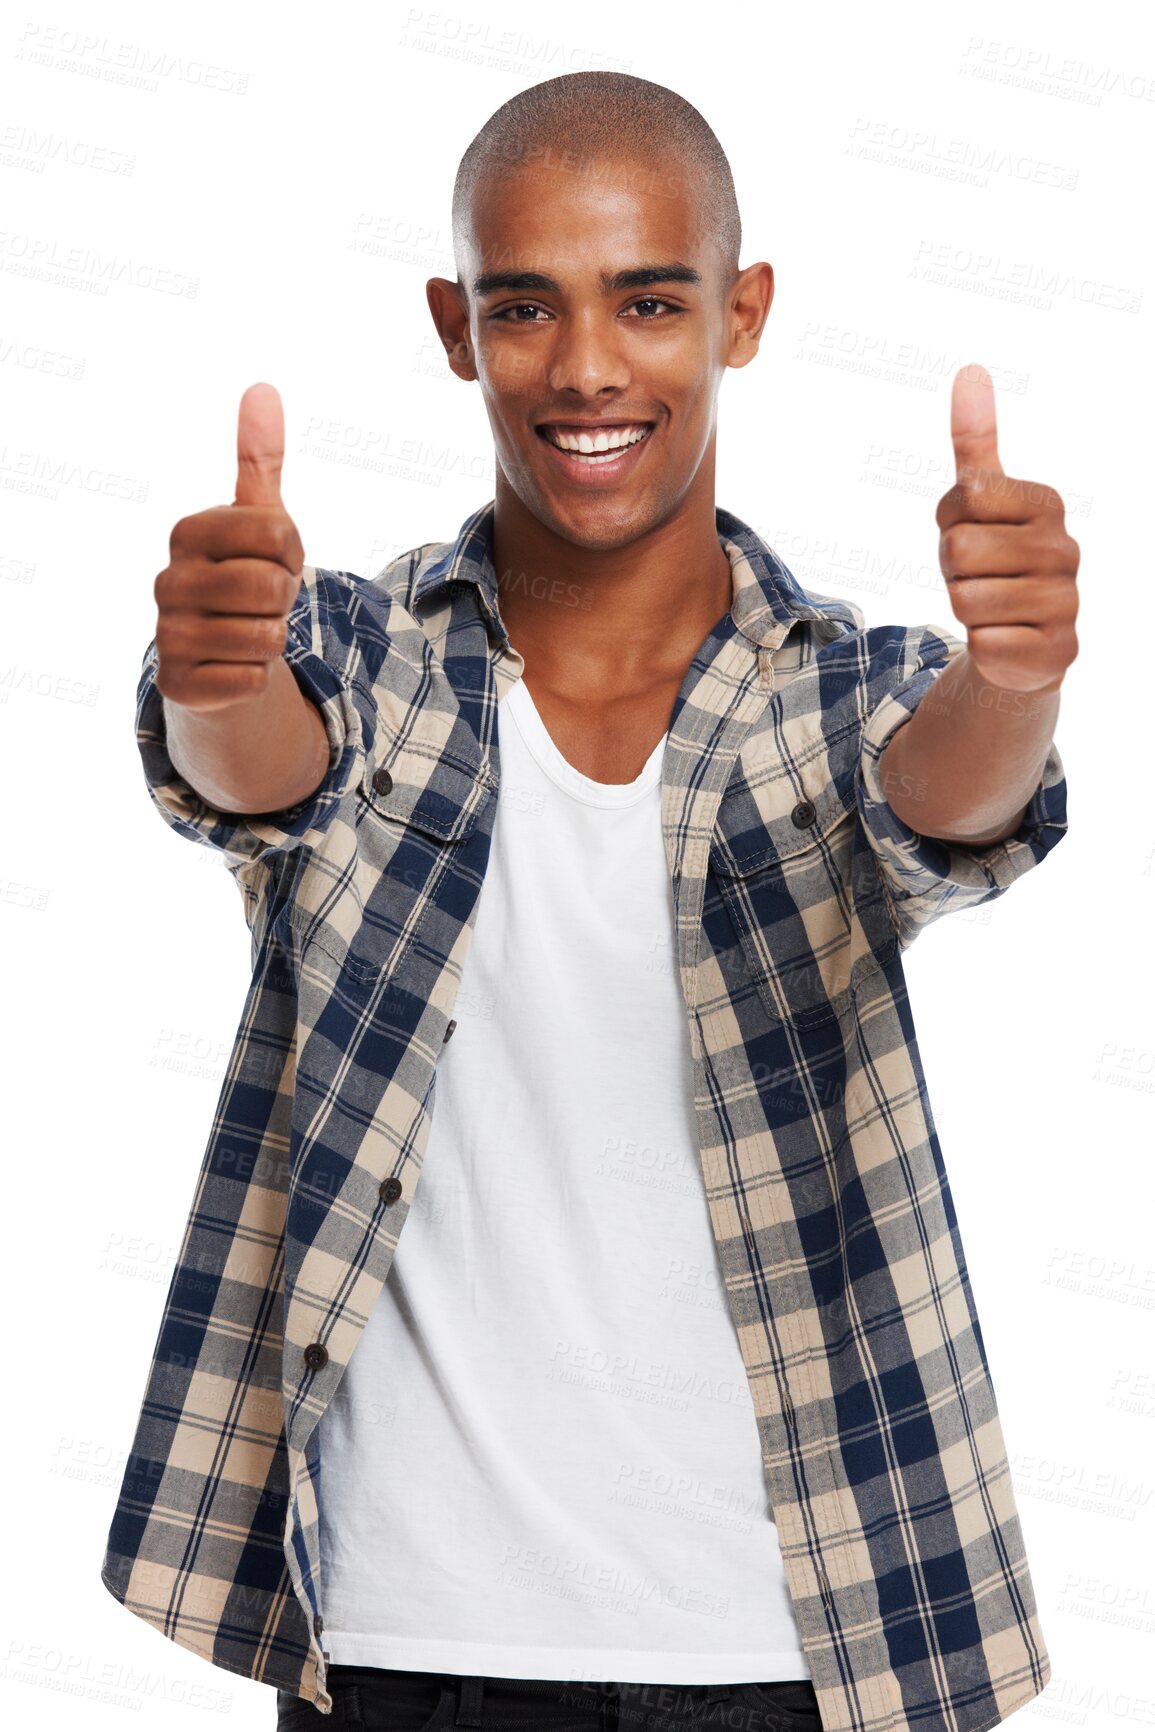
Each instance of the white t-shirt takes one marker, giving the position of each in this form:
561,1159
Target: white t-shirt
543,1461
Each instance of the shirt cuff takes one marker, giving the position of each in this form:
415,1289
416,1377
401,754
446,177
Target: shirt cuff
249,836
925,876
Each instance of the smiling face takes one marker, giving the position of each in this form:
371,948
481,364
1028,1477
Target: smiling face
599,324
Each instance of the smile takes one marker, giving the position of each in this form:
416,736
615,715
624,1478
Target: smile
609,452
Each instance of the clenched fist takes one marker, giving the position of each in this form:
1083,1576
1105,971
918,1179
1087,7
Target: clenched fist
234,572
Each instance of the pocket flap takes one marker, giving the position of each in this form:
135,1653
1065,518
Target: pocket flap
427,787
767,819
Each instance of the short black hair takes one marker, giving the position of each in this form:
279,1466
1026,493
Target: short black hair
593,117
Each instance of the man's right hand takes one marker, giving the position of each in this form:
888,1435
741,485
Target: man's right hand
234,572
238,726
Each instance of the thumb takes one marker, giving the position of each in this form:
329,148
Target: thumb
260,446
972,421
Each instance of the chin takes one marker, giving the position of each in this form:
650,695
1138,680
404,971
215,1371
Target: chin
602,525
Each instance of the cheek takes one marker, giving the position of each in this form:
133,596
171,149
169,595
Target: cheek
690,385
511,374
694,419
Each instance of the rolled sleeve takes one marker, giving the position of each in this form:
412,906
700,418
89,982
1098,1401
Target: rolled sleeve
320,651
924,876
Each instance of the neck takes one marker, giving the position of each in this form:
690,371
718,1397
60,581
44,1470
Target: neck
598,622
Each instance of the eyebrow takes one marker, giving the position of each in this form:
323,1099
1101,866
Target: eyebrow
640,277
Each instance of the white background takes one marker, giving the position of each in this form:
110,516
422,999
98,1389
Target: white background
292,172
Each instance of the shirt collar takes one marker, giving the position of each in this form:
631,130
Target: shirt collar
768,599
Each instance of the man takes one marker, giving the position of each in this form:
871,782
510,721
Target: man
676,1375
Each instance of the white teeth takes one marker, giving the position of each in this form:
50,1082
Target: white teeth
611,439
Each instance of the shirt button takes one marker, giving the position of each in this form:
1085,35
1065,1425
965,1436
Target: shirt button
824,1589
449,1028
390,1190
318,1624
788,1411
382,781
316,1356
803,814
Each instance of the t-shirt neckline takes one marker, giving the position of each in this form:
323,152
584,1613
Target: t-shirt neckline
540,743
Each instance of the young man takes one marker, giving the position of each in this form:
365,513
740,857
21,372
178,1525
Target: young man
674,1392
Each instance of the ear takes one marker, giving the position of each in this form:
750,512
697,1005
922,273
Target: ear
451,316
748,308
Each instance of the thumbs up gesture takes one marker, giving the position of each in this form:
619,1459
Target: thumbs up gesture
1009,564
234,572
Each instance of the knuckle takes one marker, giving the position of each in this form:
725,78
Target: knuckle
275,635
957,544
270,587
172,683
284,537
1040,496
186,531
948,506
964,601
249,681
168,636
266,639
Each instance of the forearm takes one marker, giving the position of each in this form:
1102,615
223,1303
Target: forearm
966,764
260,755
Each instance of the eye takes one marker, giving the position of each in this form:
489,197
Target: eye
521,307
653,301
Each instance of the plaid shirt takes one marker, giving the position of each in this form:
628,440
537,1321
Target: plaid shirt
796,891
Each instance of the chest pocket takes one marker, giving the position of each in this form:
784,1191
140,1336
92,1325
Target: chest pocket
383,874
798,878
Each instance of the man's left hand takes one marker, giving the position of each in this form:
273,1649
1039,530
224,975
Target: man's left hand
1004,550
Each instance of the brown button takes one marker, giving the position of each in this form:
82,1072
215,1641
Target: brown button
390,1190
449,1028
318,1624
316,1356
803,813
824,1589
382,781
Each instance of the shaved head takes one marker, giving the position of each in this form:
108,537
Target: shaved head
594,124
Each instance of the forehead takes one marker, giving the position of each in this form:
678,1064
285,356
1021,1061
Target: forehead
574,214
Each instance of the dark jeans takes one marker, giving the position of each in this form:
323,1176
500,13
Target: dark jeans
380,1699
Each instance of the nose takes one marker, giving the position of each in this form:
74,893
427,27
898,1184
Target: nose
586,357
